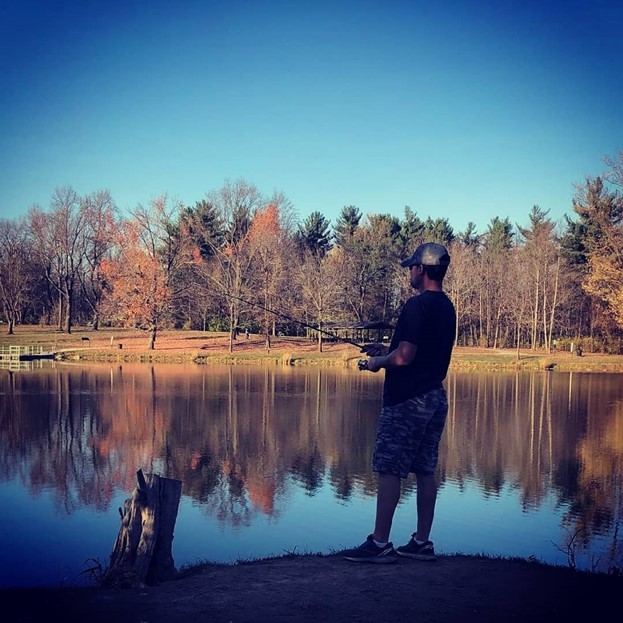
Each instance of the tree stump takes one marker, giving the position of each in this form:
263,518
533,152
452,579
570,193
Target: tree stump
142,553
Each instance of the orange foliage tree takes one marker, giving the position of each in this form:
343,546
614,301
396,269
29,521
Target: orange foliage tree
141,277
605,281
601,215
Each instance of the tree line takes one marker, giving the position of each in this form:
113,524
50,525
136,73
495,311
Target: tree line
226,262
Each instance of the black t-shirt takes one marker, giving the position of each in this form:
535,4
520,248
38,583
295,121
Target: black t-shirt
428,321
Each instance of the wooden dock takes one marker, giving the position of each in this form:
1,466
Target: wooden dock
24,353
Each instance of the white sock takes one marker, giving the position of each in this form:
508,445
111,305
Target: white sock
379,544
419,542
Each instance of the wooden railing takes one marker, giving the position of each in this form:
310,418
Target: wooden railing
15,353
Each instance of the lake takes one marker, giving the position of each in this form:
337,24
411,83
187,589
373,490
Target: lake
276,460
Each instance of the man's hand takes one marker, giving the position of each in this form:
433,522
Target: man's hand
374,364
381,358
374,350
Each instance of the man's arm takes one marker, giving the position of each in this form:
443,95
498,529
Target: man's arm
375,349
401,356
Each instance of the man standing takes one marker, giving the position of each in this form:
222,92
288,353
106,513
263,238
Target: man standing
415,406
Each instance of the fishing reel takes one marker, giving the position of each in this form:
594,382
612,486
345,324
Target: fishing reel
362,364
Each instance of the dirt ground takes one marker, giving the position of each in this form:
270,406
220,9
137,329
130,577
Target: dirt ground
168,342
310,589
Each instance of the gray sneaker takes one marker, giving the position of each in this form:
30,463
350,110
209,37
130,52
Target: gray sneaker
425,551
369,551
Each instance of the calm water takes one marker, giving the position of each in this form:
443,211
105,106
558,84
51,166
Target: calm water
277,459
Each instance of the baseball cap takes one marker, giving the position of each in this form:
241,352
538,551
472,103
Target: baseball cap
428,254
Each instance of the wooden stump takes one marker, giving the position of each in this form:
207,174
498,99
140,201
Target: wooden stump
142,553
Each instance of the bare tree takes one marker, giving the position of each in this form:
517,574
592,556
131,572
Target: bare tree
15,275
541,256
493,259
224,257
516,284
59,242
461,286
270,249
319,283
100,232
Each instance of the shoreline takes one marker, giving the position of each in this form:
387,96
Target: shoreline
201,348
311,588
487,361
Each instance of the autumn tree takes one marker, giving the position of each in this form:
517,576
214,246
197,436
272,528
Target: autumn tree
142,276
288,218
600,212
592,244
604,279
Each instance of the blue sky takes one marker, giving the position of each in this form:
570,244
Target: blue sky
459,109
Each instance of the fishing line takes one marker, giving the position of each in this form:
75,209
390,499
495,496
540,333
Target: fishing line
300,322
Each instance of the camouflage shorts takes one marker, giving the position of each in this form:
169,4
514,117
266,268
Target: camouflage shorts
408,434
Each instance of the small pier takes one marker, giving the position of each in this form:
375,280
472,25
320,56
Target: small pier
23,353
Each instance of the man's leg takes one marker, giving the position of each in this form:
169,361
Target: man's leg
426,498
388,494
420,546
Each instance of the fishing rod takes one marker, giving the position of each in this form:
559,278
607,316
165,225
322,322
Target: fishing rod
299,322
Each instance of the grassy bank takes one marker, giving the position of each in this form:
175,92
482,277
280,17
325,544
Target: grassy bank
128,345
487,359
